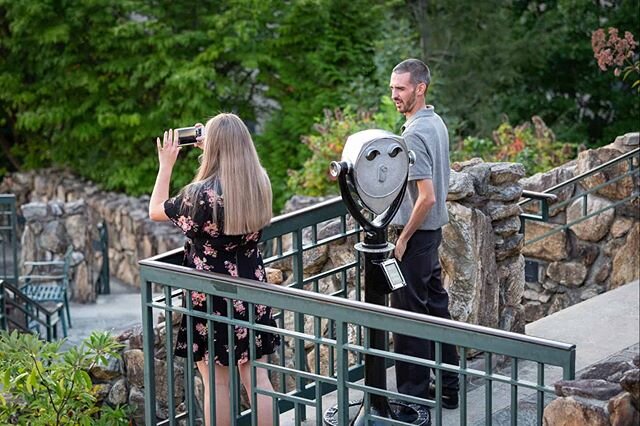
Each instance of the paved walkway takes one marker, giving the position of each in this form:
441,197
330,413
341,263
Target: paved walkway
115,312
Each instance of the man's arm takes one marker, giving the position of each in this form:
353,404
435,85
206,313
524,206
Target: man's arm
424,203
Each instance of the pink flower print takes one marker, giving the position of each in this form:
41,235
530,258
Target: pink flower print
230,246
244,357
198,299
195,347
187,202
212,196
261,310
241,332
249,252
238,306
259,341
211,228
260,273
252,236
200,263
202,329
210,251
185,223
232,268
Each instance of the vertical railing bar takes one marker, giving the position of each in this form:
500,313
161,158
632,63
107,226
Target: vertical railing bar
233,370
569,368
189,375
488,389
147,344
281,355
438,371
514,392
14,241
299,354
211,347
540,394
314,233
274,411
545,209
332,350
317,328
168,344
253,396
463,386
279,245
584,204
343,371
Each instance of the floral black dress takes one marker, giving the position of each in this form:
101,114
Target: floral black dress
208,248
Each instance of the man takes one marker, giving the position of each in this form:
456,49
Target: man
418,227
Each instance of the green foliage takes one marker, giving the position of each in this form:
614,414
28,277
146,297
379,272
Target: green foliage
90,85
327,142
319,50
533,146
522,58
43,386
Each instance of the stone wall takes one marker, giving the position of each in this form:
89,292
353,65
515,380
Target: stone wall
49,229
132,235
594,256
480,253
606,394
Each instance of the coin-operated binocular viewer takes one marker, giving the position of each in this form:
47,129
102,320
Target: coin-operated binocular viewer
372,175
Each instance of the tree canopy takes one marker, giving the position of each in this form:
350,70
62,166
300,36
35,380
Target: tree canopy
89,85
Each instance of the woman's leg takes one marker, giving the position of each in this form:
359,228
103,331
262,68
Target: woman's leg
265,407
222,389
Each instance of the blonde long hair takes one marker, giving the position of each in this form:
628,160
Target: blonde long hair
230,156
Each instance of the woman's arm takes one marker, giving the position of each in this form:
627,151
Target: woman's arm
167,155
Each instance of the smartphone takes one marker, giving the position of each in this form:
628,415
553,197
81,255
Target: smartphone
188,135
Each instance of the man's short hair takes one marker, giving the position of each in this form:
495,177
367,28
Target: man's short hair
419,71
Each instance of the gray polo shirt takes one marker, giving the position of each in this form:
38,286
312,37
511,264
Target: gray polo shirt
426,135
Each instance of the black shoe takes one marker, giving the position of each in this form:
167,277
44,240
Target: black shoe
449,398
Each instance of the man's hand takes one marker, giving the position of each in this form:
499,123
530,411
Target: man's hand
168,150
401,246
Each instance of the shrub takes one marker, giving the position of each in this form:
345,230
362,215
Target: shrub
532,143
327,144
41,385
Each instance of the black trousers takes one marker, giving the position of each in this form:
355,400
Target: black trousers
423,294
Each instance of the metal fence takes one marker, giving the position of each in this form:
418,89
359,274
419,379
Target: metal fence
8,239
619,169
324,336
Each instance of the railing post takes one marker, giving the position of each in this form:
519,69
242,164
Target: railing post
147,347
342,359
3,319
300,354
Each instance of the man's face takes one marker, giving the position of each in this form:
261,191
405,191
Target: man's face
403,93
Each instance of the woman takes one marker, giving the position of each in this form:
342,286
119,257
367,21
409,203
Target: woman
221,212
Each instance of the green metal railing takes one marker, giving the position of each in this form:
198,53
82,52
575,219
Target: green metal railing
330,326
548,199
8,239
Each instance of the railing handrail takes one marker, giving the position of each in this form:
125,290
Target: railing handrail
308,216
354,305
585,174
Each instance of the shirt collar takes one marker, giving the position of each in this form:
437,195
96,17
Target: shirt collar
423,112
